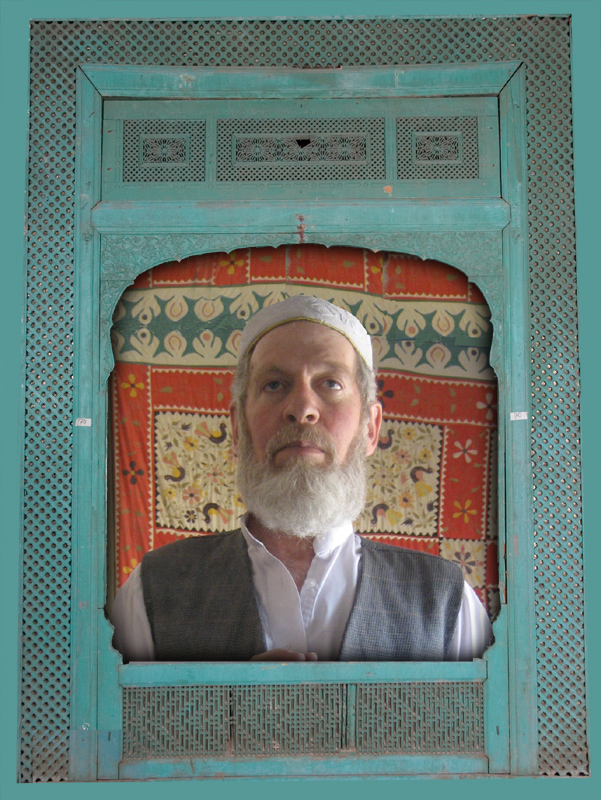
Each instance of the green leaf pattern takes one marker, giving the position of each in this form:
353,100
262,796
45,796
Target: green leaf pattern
200,326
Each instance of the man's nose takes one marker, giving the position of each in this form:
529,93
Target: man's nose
301,406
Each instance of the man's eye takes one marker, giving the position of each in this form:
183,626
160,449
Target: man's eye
272,386
333,384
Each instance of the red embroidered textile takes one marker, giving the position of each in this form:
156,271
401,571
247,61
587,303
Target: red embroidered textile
432,480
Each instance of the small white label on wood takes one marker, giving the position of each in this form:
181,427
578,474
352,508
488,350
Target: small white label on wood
83,422
515,415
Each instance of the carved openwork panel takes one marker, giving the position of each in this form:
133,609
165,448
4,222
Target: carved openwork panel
543,45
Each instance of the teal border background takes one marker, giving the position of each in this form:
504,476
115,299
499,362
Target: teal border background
14,20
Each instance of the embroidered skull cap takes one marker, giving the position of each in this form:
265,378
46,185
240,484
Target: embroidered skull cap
310,309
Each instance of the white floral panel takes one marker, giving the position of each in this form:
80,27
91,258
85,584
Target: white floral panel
403,480
195,473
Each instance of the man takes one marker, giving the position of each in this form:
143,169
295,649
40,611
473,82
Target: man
295,583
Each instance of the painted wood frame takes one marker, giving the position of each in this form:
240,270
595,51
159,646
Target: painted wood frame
485,237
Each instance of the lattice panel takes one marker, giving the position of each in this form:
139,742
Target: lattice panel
417,718
163,150
308,719
300,149
543,43
437,147
175,721
46,756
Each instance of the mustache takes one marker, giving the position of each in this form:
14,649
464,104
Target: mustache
295,433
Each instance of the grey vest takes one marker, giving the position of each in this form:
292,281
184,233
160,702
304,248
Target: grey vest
201,603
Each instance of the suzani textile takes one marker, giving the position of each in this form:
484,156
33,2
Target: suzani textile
432,479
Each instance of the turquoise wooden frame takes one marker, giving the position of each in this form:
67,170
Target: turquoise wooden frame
382,107
116,241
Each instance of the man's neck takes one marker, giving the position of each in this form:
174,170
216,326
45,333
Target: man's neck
296,554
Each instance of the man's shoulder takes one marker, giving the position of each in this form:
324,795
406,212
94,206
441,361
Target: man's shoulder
191,545
415,559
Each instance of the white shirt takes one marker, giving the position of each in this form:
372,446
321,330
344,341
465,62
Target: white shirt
312,620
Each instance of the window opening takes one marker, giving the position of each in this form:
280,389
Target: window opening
432,481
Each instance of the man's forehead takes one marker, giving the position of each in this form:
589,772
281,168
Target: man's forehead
303,340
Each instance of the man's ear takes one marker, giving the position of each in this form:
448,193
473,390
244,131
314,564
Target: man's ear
234,420
373,427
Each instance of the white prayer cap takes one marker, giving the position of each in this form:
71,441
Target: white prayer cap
310,309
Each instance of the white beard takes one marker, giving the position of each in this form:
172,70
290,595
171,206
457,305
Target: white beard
299,498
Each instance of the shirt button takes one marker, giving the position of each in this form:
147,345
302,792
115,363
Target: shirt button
311,582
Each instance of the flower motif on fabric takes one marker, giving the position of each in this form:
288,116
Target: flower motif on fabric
464,510
489,405
470,555
406,500
191,444
382,393
132,384
191,495
403,457
232,261
465,451
464,560
132,473
131,566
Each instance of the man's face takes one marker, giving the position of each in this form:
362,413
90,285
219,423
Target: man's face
303,377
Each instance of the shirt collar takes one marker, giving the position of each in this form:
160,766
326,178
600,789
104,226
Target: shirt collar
323,544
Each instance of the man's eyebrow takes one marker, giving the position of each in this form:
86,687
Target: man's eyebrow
281,372
337,366
268,371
